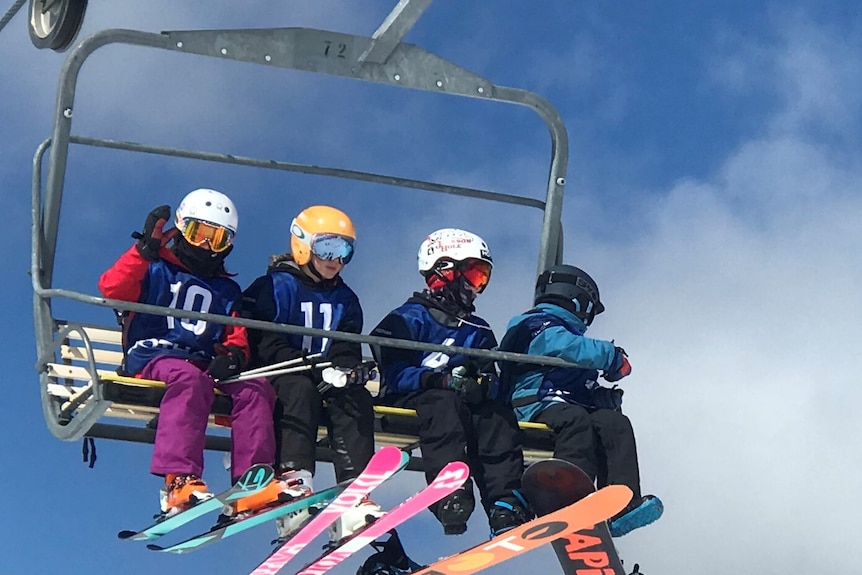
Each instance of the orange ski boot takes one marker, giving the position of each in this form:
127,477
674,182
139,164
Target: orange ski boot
181,492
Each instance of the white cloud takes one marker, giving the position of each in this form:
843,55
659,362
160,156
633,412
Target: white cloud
739,306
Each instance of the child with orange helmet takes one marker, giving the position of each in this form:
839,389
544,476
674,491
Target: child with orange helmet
305,288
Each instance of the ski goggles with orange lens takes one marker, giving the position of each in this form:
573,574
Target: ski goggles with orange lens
199,232
333,247
476,272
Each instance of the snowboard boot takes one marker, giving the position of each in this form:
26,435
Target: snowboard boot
182,492
508,512
390,559
363,513
638,513
453,510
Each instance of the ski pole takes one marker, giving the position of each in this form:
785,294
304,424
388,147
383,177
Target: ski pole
286,370
280,364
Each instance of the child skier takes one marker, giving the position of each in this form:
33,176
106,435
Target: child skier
585,417
183,268
453,395
305,288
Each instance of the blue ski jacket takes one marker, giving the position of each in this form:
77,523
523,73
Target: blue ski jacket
168,283
422,319
552,331
286,295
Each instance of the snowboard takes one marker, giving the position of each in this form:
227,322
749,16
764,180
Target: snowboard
552,484
584,514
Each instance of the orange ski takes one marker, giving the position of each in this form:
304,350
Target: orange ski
583,514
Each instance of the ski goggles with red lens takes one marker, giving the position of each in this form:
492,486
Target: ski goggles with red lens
200,232
476,272
333,247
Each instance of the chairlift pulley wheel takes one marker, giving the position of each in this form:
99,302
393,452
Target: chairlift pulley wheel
54,24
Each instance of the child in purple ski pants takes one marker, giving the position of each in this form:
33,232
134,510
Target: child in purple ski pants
183,268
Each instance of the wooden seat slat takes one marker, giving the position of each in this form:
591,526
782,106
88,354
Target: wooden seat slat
137,399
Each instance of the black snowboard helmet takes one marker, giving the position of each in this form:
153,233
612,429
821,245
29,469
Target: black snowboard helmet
570,288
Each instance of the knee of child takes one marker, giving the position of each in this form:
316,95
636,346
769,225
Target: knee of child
572,415
294,386
441,399
254,389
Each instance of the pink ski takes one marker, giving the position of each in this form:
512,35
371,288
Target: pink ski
383,465
448,480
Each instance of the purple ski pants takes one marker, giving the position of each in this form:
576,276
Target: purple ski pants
184,411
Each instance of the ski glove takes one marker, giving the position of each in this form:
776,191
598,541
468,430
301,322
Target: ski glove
227,364
469,388
620,366
363,372
150,240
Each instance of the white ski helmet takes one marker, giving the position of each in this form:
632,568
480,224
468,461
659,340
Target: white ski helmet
208,206
454,244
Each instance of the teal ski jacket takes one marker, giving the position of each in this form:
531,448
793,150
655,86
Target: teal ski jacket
552,331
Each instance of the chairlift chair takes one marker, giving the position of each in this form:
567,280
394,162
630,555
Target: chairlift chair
77,362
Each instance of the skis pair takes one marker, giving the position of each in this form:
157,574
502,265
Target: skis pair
383,465
229,528
253,480
448,480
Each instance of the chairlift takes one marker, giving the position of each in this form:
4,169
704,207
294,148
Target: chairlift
82,395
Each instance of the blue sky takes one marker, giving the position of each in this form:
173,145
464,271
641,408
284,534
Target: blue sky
714,194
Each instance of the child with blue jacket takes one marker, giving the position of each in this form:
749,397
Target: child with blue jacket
590,428
455,397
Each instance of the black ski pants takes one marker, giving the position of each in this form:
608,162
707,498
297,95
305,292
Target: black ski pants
601,442
348,414
486,437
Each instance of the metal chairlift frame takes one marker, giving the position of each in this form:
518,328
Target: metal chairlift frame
382,58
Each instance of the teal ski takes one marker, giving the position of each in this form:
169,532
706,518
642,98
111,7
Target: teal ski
230,528
256,478
320,500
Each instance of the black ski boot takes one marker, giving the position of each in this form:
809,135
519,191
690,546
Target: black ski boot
453,510
508,512
390,559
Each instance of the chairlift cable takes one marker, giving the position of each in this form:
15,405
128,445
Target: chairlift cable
10,13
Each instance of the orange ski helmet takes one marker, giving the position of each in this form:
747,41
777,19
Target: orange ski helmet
325,231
